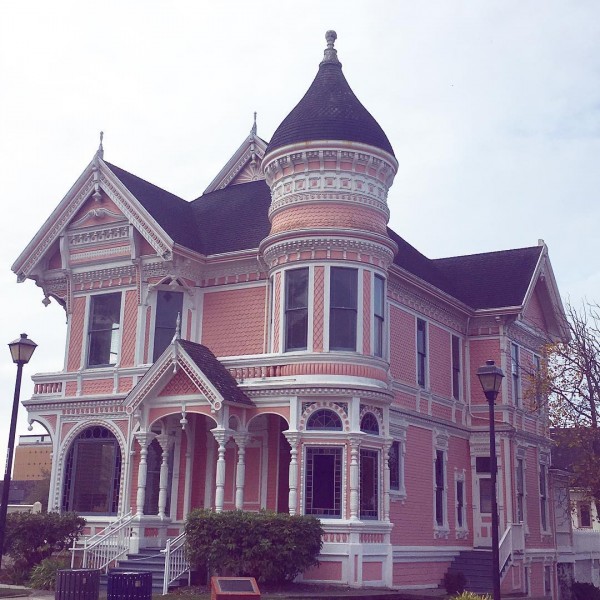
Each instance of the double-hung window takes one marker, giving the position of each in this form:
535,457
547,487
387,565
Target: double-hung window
421,352
455,367
461,521
440,488
169,304
520,490
369,484
323,485
343,308
544,497
516,379
296,309
103,329
379,316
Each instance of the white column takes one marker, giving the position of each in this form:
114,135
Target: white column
221,435
241,439
293,438
145,439
386,480
354,448
163,440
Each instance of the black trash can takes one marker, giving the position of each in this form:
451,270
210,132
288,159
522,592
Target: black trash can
129,586
77,584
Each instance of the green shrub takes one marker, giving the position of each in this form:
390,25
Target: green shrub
273,548
454,582
32,537
43,575
472,596
584,591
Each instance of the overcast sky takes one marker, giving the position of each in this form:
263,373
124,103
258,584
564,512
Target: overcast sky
492,107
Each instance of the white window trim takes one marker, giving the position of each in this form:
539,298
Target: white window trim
543,465
517,394
154,311
309,304
460,370
461,532
86,329
521,454
384,336
426,381
441,440
398,431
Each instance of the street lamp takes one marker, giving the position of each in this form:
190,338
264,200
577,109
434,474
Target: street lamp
21,350
490,377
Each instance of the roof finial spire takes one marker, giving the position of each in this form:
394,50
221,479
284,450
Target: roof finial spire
330,55
253,130
100,151
177,335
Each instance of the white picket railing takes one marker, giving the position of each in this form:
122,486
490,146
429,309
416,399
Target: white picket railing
176,562
511,543
103,548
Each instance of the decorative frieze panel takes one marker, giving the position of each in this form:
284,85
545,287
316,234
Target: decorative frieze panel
99,236
426,305
116,276
324,248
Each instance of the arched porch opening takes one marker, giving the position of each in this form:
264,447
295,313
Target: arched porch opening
92,473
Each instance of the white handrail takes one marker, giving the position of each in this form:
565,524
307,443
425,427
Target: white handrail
176,562
106,546
512,542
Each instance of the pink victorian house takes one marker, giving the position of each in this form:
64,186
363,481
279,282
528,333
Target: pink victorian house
273,345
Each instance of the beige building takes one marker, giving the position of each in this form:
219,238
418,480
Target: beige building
33,458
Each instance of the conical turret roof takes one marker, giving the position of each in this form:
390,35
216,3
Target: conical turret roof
330,111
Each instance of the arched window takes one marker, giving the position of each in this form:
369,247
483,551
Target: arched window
369,424
324,420
92,473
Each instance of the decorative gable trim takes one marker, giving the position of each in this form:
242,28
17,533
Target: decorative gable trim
95,177
163,371
244,165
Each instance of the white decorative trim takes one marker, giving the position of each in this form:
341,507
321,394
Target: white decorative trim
97,236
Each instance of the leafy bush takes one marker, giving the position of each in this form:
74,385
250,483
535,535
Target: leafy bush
472,596
454,582
273,548
584,591
32,537
43,575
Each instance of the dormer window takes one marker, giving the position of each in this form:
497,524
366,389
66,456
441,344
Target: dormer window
169,304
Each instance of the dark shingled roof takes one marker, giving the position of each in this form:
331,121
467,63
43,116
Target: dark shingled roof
216,373
330,111
234,218
492,279
171,212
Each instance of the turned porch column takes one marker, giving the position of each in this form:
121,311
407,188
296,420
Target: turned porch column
241,439
386,480
145,439
221,435
354,449
293,438
163,440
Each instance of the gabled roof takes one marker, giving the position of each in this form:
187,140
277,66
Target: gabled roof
492,279
330,111
234,218
202,367
215,372
171,212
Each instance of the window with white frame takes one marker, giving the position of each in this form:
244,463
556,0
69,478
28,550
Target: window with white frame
169,304
520,481
543,497
421,352
483,467
516,376
104,329
323,483
378,315
296,309
395,465
343,308
456,367
461,510
440,488
537,365
585,514
547,580
369,484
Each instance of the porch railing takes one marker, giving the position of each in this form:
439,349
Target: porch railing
106,546
511,543
176,562
586,541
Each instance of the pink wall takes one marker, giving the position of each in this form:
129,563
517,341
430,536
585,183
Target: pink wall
75,342
129,326
233,321
403,362
440,361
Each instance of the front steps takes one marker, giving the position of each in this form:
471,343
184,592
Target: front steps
477,568
148,559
